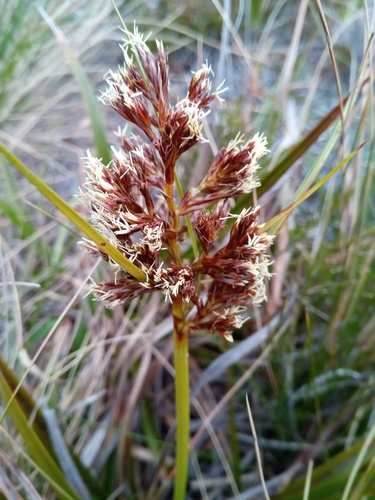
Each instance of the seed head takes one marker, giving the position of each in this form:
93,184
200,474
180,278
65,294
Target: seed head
233,172
132,200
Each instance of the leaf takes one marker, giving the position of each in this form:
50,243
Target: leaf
268,180
74,217
44,441
33,436
65,459
281,217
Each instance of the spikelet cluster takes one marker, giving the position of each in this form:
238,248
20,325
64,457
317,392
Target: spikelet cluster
134,204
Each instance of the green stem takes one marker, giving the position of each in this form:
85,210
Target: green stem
187,218
181,365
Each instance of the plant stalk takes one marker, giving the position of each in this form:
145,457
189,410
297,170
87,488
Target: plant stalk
182,397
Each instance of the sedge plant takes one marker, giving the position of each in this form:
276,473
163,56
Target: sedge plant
138,204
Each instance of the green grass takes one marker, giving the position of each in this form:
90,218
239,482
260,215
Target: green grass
310,380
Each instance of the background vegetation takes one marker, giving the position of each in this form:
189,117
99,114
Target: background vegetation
101,381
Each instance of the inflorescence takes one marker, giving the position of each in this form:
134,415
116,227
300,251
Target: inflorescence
134,203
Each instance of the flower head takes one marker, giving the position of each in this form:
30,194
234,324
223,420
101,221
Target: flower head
132,200
233,172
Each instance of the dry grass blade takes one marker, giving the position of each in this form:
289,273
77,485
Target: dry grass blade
88,95
257,450
218,448
231,28
333,60
290,61
306,490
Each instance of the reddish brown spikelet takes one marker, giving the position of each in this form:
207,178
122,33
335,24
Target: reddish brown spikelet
208,225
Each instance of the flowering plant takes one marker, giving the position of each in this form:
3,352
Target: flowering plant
133,200
137,203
